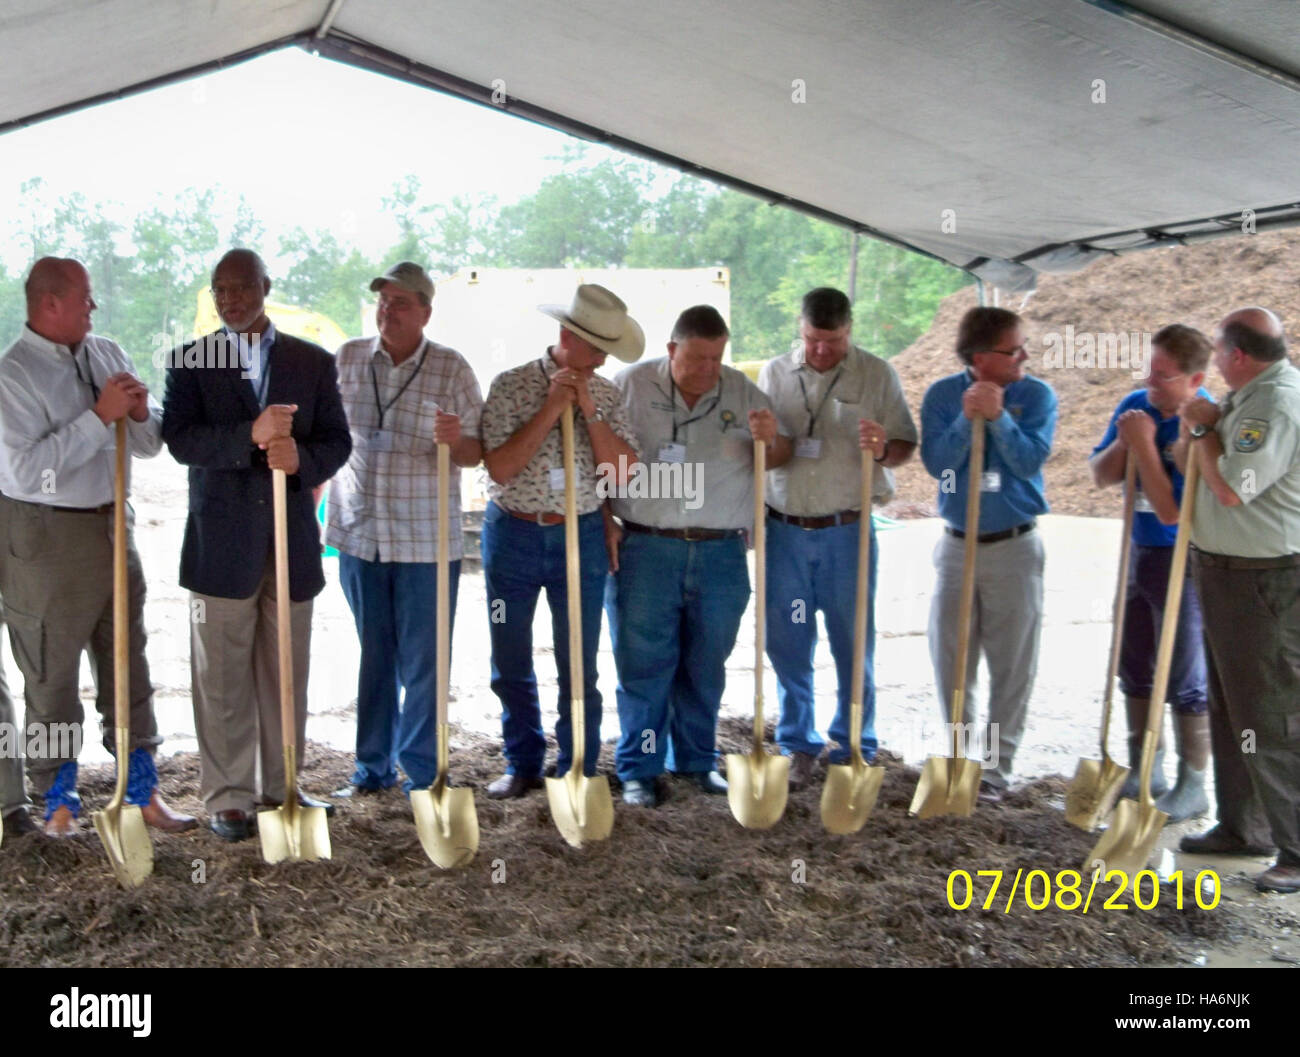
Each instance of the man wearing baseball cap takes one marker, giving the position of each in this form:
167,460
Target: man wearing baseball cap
403,395
523,528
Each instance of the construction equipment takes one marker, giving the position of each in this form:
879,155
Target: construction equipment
1097,783
120,825
950,785
290,831
851,789
581,807
1136,825
445,818
758,784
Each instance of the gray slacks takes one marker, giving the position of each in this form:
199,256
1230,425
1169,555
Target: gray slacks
1006,617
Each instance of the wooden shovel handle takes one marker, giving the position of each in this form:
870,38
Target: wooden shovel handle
443,616
284,634
760,586
974,480
1169,626
121,621
573,585
1121,598
860,610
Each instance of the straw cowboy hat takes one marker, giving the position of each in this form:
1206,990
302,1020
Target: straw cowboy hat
599,317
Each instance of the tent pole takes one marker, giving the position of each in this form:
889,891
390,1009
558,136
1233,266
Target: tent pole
853,268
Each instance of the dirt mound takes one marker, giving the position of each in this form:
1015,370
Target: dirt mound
1138,293
683,885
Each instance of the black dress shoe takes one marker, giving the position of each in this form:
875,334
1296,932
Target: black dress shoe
710,782
303,801
1218,842
509,786
640,793
1279,878
231,825
19,822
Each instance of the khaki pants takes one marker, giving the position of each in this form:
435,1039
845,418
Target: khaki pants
57,584
234,667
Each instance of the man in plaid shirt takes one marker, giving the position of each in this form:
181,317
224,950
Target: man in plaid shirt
403,395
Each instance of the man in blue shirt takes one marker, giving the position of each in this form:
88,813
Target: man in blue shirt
1020,413
1146,424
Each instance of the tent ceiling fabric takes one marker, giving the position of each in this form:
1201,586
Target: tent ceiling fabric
990,109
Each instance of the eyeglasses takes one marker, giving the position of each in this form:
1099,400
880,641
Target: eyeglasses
220,290
1023,347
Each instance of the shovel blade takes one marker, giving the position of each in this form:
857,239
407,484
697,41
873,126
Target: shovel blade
1128,843
582,808
1092,794
849,795
297,834
126,840
447,824
757,788
948,786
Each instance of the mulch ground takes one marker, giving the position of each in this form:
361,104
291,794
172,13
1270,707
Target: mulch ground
683,885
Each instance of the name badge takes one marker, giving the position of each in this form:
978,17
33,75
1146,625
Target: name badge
672,453
808,448
380,440
557,478
1143,505
991,481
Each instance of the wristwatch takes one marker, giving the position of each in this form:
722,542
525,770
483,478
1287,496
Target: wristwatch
598,416
1198,431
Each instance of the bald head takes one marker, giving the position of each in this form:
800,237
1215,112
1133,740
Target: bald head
59,301
1257,332
242,261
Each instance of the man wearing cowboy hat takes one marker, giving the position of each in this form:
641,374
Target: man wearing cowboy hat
523,528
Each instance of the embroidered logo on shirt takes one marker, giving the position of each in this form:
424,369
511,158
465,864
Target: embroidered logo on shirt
728,419
1250,434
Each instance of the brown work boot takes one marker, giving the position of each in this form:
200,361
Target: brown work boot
1279,878
63,823
158,815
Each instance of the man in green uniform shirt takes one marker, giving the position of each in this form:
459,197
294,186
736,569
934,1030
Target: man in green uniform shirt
1246,561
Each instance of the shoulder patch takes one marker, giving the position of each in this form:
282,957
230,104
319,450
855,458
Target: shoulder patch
1250,434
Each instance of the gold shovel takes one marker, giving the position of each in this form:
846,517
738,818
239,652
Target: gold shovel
1136,826
581,807
445,818
950,785
289,831
1097,782
120,825
758,784
851,789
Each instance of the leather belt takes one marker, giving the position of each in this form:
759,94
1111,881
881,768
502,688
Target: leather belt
690,535
995,537
844,517
1228,561
103,508
540,518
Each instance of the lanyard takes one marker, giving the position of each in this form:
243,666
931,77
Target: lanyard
813,415
672,383
383,408
90,377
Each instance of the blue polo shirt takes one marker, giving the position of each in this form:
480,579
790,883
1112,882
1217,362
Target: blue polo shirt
1149,530
1016,445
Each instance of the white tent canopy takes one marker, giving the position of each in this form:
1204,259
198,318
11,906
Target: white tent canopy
1003,136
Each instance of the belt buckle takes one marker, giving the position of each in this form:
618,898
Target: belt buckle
688,534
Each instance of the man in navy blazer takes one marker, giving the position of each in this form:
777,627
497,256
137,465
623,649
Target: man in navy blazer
239,403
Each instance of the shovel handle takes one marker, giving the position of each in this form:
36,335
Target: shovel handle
443,616
573,591
1121,598
1169,626
284,636
121,621
860,612
760,586
974,481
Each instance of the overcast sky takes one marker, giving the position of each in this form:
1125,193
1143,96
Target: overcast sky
307,141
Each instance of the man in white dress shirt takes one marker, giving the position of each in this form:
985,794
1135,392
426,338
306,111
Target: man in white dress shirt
62,390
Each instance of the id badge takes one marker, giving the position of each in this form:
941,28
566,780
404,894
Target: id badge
557,478
808,448
991,481
380,440
1143,505
672,453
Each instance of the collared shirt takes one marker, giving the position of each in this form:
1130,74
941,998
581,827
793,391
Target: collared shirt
56,450
1017,444
826,406
254,358
1260,431
699,474
1148,529
383,505
514,397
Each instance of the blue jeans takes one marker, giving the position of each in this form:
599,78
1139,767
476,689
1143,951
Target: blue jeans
394,605
674,610
520,558
810,570
1144,610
